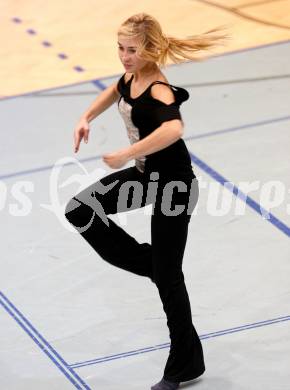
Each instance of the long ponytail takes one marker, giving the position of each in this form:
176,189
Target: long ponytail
158,47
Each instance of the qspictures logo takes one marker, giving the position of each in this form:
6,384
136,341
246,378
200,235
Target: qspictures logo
217,200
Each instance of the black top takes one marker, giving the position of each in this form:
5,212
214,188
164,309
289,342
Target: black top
142,115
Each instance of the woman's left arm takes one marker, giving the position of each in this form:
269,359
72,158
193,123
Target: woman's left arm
166,134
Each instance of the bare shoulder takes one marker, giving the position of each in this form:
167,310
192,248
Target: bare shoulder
163,92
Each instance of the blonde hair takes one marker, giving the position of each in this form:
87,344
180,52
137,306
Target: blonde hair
157,47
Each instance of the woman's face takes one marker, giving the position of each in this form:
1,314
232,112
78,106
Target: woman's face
127,53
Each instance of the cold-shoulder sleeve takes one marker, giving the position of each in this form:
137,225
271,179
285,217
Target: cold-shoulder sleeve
166,112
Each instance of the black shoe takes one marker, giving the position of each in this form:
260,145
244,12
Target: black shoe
165,385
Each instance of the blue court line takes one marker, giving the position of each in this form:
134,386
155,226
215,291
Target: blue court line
54,356
97,157
232,52
246,49
244,197
99,84
44,168
46,44
235,128
167,345
210,171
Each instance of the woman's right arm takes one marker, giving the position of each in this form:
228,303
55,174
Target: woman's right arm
106,98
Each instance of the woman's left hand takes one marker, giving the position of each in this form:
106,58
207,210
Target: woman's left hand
117,159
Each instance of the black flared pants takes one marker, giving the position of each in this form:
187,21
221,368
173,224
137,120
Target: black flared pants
161,261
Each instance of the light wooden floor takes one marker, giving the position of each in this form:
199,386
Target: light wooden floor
68,319
44,44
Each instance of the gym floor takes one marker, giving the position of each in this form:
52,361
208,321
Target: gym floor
66,320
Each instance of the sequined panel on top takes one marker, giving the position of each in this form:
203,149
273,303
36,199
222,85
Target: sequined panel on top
132,131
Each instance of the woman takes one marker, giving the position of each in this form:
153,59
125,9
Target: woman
162,176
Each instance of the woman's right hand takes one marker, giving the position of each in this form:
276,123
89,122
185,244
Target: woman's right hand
81,131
